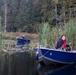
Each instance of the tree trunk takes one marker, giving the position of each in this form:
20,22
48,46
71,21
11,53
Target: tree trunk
5,22
70,13
56,13
0,25
64,13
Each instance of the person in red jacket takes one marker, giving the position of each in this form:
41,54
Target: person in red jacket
61,43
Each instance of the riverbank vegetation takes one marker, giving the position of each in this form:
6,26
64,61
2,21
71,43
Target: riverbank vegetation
49,36
52,17
45,36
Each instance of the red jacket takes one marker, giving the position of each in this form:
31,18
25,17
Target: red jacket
64,44
60,43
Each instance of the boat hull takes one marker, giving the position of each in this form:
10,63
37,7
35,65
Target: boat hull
57,56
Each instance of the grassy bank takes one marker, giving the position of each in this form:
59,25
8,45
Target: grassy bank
13,35
49,36
46,36
8,40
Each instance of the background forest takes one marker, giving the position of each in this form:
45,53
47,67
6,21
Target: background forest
26,15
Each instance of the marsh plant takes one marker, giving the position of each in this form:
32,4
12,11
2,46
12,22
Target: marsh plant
44,34
1,47
70,32
49,36
1,37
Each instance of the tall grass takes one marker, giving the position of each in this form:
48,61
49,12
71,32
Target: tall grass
1,38
54,36
1,47
69,29
70,32
49,36
44,34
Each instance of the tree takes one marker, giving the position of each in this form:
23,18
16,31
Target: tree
5,22
26,15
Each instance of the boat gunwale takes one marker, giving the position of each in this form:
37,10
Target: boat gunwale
59,50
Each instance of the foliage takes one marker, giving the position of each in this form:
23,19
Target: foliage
44,34
1,36
49,36
68,29
25,15
70,32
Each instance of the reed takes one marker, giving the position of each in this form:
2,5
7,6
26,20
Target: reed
44,34
49,36
69,29
1,37
54,36
1,48
70,32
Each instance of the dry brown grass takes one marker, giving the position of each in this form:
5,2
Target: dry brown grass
19,34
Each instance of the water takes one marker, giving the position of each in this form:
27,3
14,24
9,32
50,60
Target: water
18,63
58,69
24,63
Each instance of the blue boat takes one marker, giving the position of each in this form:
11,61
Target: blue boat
21,42
49,56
